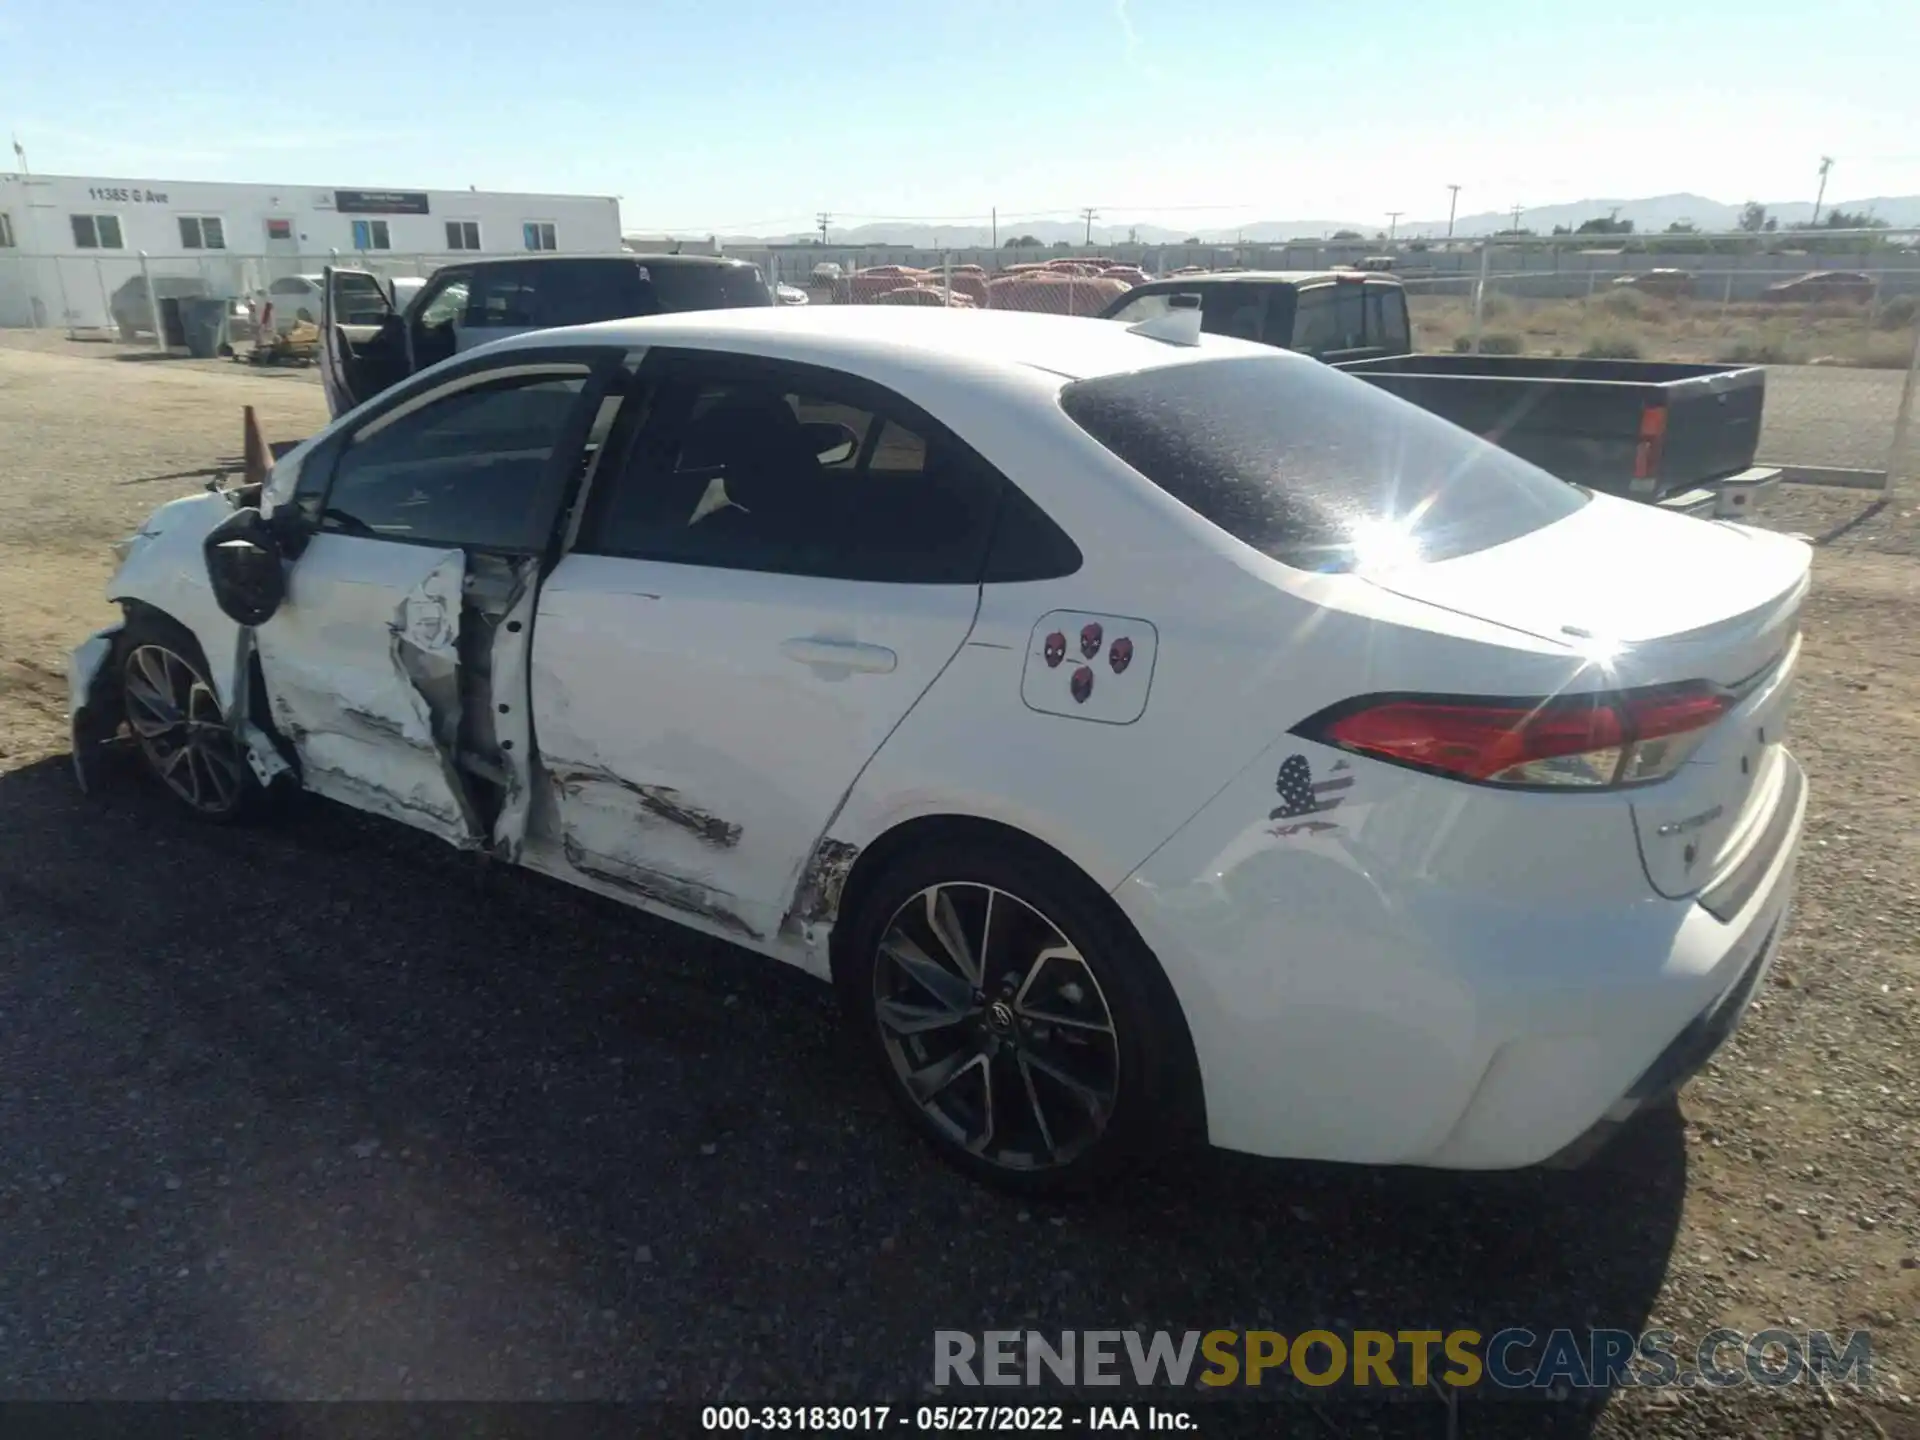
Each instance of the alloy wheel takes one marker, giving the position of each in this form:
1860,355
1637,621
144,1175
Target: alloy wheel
176,717
996,1026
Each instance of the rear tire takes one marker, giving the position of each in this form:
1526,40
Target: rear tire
174,715
1013,1014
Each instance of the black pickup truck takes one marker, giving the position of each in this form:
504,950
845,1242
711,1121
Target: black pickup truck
1677,435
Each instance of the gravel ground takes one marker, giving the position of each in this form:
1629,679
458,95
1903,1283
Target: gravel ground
327,1110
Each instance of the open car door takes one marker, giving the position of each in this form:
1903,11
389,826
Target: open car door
362,339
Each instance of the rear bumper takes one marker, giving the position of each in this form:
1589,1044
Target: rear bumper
1341,1014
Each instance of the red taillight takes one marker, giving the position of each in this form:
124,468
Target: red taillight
1593,740
1653,440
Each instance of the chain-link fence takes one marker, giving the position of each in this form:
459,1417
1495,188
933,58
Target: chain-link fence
123,294
1838,329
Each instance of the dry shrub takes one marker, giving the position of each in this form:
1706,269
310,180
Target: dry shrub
1494,342
1621,301
1612,345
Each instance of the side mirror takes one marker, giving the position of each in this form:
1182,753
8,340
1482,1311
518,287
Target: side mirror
246,568
832,442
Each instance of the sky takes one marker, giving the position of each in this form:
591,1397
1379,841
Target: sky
749,116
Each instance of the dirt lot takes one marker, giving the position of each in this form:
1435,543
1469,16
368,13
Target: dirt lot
327,1110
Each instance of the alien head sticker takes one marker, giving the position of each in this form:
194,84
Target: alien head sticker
1086,665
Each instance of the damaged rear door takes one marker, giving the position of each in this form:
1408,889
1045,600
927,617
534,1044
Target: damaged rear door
781,567
396,666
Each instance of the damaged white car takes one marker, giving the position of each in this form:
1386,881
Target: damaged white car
1156,737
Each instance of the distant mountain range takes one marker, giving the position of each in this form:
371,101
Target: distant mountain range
1653,213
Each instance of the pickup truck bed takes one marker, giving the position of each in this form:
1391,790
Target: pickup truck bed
1642,429
1681,436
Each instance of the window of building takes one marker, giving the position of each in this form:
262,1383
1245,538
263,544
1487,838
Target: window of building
202,232
6,231
279,229
538,235
463,234
97,232
371,235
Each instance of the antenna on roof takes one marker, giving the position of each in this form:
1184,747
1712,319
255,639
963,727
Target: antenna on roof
1179,325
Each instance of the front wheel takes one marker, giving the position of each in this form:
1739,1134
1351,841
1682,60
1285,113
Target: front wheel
1014,1014
175,718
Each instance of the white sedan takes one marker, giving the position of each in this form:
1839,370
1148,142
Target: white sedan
1155,737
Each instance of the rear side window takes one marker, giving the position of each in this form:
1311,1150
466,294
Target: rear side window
1315,468
1329,317
705,287
1387,319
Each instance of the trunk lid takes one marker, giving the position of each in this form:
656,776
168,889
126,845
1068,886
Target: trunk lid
1658,598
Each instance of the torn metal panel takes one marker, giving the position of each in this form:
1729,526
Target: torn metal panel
363,677
596,784
93,702
500,705
817,900
656,887
263,757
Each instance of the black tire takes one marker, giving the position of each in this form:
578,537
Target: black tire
1026,1062
172,713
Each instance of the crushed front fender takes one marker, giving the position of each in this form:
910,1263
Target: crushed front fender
93,701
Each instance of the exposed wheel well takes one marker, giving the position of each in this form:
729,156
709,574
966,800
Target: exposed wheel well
1189,1110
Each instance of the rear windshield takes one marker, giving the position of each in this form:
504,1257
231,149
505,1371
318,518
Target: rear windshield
708,287
1315,468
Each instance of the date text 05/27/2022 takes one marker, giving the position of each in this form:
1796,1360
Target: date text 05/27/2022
935,1419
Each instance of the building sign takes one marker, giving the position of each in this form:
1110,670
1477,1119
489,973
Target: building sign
380,202
129,194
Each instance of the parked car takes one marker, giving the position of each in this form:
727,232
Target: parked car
826,272
1154,741
365,299
789,295
472,303
1844,287
1665,433
1665,282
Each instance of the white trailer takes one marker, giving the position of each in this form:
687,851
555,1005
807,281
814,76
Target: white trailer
70,243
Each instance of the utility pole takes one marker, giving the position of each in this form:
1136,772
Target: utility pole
996,227
1516,217
1452,203
823,219
1089,215
1826,164
1393,222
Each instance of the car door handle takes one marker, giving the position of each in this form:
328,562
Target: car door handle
840,655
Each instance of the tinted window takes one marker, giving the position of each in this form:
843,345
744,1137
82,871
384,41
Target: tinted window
1150,306
1314,467
705,287
1236,310
465,470
798,472
449,304
1329,317
359,299
1387,319
572,294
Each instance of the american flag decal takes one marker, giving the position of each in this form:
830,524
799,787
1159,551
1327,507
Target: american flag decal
1301,794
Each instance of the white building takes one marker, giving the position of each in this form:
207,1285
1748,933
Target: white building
68,242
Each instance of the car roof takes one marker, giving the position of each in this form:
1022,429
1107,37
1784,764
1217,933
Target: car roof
1296,278
874,338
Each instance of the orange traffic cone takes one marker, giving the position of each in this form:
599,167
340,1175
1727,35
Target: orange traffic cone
254,448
